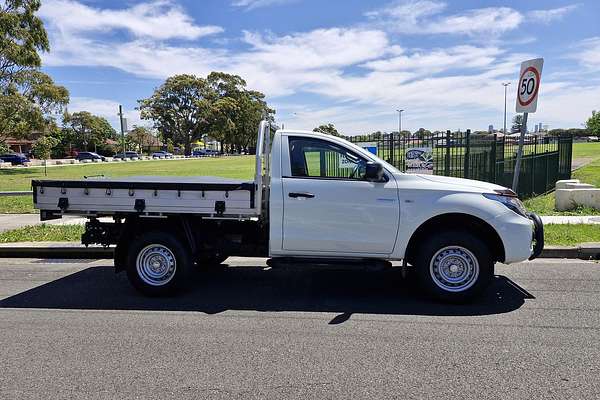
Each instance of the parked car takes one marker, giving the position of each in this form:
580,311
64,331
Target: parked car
353,208
128,154
162,154
14,158
204,152
89,155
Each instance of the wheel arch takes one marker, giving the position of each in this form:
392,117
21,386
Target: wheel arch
134,226
450,221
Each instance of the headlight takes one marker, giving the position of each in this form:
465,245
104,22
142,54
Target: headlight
510,200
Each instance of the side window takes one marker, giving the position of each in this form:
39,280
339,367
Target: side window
320,158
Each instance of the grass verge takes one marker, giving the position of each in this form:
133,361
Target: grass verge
569,235
43,233
563,235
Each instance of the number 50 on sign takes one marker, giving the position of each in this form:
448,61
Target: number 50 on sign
529,85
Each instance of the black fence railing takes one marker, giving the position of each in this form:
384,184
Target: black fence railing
489,158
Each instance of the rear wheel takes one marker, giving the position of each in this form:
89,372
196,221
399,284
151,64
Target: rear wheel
158,263
454,266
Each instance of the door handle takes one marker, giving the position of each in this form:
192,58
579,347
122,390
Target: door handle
301,194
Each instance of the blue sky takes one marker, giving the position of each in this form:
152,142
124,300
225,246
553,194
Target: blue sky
351,62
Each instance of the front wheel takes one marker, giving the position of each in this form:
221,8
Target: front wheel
157,263
454,266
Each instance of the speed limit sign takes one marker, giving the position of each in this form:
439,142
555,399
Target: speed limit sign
529,85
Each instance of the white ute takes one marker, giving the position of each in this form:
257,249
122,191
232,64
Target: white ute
315,199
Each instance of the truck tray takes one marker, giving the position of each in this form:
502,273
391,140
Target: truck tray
210,196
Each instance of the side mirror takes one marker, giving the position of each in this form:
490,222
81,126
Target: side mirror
374,172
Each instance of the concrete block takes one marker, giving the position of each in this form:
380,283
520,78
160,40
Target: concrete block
568,199
5,165
578,186
86,161
563,183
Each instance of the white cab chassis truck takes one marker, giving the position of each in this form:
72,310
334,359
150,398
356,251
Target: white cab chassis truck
315,199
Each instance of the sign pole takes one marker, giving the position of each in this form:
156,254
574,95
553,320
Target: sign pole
527,95
520,153
122,128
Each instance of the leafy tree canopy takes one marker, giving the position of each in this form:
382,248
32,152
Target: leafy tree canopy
86,129
593,123
328,129
29,99
187,107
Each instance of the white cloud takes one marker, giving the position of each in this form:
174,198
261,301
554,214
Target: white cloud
359,74
588,53
424,17
252,4
438,60
159,19
553,14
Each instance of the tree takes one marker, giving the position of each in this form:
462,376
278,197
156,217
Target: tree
28,97
517,123
593,124
42,149
84,129
141,137
186,107
180,108
328,129
236,111
422,133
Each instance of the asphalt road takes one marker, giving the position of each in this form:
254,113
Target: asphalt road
74,329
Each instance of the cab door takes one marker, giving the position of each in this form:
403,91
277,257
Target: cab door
329,206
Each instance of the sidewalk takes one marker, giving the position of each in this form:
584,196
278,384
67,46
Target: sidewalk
570,219
14,221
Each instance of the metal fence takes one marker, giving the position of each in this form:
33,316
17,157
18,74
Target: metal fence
489,158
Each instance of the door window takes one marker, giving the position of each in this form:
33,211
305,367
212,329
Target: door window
315,158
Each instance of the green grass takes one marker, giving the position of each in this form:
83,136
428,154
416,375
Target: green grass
43,233
569,235
586,150
239,167
544,205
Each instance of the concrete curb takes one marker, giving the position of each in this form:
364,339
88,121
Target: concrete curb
584,251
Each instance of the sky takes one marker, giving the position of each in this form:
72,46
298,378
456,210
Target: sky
352,63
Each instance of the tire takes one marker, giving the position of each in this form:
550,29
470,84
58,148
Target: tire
454,266
158,263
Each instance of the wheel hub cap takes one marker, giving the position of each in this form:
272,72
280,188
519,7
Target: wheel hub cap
156,264
454,268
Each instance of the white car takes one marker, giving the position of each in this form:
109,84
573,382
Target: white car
315,198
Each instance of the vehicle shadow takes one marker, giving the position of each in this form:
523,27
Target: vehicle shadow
256,288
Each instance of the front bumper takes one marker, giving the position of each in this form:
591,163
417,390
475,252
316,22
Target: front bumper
538,235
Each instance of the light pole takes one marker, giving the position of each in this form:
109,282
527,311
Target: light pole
505,87
399,122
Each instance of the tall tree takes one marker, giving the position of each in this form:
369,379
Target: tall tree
180,109
87,130
328,129
593,123
185,107
28,97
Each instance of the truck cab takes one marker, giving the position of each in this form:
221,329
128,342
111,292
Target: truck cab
315,199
